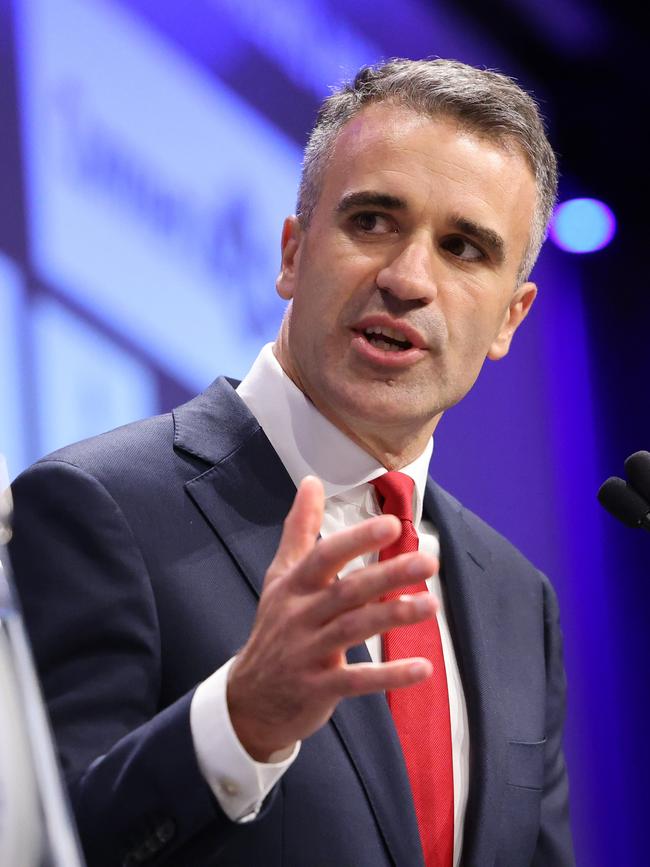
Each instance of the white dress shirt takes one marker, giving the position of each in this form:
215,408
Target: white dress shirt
308,444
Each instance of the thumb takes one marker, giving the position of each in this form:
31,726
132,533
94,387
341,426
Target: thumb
301,527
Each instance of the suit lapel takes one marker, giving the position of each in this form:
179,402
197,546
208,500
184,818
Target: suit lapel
366,729
245,494
245,499
471,597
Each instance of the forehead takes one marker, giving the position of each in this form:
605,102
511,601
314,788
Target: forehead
434,164
385,135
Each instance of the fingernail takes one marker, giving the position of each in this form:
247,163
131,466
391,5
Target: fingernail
421,668
418,566
414,568
380,529
423,604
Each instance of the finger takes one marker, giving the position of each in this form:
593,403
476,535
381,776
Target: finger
330,555
353,627
371,582
301,527
361,678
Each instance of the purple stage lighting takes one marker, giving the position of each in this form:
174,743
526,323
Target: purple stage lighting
582,225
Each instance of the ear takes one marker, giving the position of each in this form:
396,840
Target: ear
292,234
517,311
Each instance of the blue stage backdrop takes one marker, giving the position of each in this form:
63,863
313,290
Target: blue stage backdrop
151,153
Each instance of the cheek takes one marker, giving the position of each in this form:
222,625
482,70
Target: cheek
476,319
311,324
466,321
320,302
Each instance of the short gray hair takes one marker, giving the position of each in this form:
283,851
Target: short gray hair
484,102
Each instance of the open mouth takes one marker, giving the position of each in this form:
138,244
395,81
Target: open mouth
388,339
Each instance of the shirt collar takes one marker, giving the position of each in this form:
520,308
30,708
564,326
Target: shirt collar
308,443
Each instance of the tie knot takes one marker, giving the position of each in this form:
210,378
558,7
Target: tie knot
395,494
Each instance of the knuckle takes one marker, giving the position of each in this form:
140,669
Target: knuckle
403,610
318,557
276,589
347,592
272,573
344,629
355,680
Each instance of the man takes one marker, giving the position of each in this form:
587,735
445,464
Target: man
427,187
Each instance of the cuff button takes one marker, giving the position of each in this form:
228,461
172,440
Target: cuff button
228,787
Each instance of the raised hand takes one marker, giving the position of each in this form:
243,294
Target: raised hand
292,671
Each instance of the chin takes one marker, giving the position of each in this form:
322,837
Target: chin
377,404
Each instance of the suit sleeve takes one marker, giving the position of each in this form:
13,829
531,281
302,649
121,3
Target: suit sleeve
130,765
554,843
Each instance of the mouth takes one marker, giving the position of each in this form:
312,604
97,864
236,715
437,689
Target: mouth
387,343
386,338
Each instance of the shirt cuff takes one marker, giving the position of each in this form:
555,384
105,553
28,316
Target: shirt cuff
238,782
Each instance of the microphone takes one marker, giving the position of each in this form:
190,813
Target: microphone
623,501
637,469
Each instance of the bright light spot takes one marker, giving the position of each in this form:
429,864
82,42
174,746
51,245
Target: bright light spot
582,225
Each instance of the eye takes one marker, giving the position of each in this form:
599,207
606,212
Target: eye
463,249
372,223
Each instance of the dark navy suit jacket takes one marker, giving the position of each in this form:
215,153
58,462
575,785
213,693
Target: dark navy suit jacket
139,558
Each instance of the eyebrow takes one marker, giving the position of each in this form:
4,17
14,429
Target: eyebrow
488,238
368,198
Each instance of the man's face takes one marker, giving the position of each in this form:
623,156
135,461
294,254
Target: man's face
406,278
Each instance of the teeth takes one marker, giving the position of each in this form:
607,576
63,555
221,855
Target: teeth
387,347
386,331
383,344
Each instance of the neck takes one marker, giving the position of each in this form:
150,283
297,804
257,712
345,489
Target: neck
393,447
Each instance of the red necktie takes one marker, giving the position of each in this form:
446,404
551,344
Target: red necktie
420,712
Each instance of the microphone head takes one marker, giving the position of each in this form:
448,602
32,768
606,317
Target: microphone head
637,469
623,502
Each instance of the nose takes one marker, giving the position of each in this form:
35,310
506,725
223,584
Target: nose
410,275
